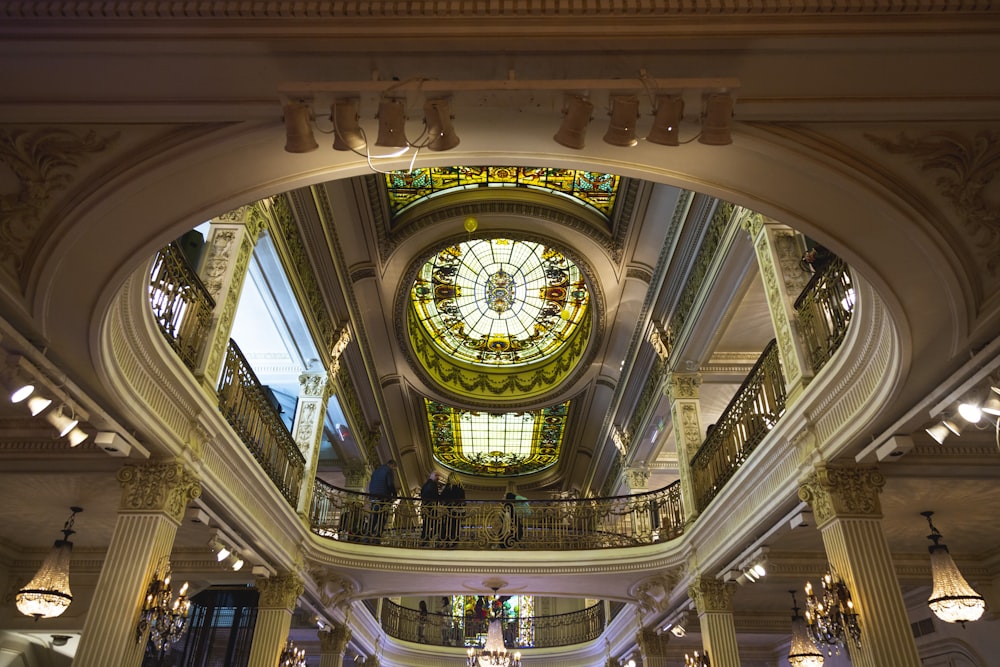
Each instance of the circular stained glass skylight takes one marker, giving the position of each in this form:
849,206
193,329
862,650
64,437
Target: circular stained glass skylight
500,302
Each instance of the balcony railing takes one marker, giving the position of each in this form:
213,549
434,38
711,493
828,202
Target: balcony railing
754,410
519,631
181,304
249,411
593,523
824,310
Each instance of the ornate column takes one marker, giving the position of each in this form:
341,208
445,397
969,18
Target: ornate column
154,497
652,647
333,645
714,602
779,249
307,431
682,389
226,258
845,503
278,596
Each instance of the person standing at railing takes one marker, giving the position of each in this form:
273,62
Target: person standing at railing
422,622
382,488
517,510
444,611
453,509
430,498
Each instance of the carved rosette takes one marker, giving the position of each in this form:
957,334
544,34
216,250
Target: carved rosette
333,641
712,595
162,486
280,592
843,491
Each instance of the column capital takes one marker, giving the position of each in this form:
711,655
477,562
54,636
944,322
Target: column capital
712,595
651,644
334,639
158,486
683,385
836,491
280,592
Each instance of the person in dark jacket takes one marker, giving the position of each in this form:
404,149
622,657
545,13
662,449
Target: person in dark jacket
430,496
382,488
452,506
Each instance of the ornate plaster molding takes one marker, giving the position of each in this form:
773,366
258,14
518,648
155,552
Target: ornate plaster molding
280,592
712,595
161,486
835,491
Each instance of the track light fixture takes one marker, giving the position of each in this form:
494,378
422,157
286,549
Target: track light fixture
298,132
576,116
347,133
61,421
717,121
437,117
37,404
624,116
667,120
992,404
392,124
76,436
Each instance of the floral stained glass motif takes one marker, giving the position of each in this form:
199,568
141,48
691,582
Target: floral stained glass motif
595,190
496,444
500,302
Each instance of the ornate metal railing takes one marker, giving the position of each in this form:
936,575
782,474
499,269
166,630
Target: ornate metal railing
593,523
754,410
411,625
181,304
824,310
249,411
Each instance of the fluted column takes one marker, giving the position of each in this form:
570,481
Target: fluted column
333,645
845,503
779,249
653,647
154,497
307,431
226,260
278,596
714,601
685,408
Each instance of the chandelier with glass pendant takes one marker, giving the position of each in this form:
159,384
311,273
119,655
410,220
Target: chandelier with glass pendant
494,652
952,599
802,652
47,594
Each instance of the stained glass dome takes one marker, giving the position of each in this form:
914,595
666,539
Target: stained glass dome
499,302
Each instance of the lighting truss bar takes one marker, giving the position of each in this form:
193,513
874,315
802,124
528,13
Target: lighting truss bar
304,88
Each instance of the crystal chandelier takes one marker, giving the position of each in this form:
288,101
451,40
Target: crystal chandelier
697,660
830,616
163,616
47,595
291,656
803,651
953,600
494,652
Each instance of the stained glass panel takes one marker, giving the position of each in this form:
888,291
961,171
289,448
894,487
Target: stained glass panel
496,444
593,189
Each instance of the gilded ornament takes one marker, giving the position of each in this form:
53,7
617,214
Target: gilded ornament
158,486
843,491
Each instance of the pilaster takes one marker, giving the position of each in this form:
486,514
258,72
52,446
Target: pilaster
653,647
307,431
714,601
278,596
685,407
154,497
846,505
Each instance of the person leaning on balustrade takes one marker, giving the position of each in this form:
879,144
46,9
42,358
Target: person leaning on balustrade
452,510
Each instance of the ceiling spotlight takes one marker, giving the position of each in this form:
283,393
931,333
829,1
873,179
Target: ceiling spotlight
237,563
992,404
716,124
667,121
222,553
939,432
347,134
624,115
298,133
956,426
678,630
437,116
392,124
22,390
970,412
61,421
576,115
76,436
37,404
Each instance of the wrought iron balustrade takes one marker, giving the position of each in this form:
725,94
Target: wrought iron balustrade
520,632
247,408
753,411
181,304
824,310
592,523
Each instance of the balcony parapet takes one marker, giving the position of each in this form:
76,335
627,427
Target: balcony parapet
592,523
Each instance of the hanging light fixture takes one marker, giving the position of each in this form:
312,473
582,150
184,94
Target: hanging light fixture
830,616
298,131
717,121
952,600
163,616
437,117
624,115
667,121
697,660
494,651
47,595
291,656
576,116
803,651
